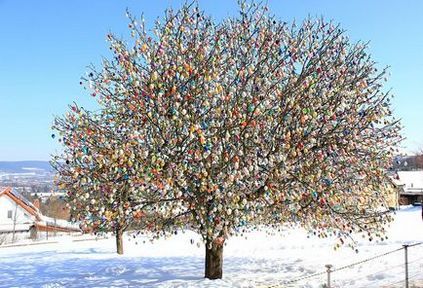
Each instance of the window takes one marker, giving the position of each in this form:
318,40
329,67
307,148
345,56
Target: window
9,214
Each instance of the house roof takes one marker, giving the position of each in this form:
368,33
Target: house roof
395,180
411,179
20,200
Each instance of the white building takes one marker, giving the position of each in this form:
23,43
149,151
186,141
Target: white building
17,215
20,219
411,183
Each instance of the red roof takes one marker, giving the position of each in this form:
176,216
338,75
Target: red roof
42,227
21,201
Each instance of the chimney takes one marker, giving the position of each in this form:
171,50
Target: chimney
36,203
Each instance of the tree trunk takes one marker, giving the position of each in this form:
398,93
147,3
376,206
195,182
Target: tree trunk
119,241
214,259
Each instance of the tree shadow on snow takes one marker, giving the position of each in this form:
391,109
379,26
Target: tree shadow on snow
52,269
82,272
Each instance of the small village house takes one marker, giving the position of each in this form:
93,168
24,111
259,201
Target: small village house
411,186
21,219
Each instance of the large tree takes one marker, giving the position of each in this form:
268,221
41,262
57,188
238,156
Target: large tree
253,121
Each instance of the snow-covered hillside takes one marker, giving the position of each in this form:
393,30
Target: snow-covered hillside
258,261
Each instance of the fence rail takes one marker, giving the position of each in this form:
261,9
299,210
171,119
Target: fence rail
409,274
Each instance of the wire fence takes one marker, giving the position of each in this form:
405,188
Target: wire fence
401,267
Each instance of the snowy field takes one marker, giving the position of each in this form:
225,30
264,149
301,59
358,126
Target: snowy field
259,261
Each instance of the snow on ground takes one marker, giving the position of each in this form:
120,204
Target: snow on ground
259,261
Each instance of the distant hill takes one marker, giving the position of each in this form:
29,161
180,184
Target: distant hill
25,166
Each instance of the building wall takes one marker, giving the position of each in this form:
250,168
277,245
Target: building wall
22,216
392,197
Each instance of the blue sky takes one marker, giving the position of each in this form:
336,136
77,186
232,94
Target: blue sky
45,47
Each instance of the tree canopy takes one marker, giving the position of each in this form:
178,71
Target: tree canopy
246,122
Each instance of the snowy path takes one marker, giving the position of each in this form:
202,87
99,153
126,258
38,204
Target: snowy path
261,259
